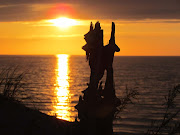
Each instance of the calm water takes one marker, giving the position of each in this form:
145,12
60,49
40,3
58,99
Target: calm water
54,84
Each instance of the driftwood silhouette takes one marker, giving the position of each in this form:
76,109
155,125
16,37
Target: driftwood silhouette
96,108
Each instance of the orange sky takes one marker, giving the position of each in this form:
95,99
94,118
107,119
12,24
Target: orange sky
143,37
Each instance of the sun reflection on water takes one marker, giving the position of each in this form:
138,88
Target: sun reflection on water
62,106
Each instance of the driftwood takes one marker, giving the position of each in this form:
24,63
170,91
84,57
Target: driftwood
97,106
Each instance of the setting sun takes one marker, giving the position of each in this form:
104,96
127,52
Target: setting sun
63,22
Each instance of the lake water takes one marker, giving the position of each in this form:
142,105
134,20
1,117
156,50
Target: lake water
54,84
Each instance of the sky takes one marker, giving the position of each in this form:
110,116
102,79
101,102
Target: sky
143,27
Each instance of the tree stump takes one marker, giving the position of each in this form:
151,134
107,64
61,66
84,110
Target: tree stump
97,106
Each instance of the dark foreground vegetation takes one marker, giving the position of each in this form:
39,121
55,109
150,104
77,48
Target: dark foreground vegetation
170,122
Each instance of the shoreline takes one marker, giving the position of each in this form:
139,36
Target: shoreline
16,118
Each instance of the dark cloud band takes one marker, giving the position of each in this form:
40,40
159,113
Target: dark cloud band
22,10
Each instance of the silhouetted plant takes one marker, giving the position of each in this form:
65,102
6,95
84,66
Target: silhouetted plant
11,82
131,94
170,124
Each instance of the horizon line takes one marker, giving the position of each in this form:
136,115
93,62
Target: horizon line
84,55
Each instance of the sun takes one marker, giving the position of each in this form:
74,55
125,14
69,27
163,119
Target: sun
63,22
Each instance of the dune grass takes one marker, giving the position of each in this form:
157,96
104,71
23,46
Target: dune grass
129,98
170,122
11,82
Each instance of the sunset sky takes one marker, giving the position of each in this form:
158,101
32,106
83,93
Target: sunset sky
143,27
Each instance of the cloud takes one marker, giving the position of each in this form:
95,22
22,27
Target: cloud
19,12
136,9
26,10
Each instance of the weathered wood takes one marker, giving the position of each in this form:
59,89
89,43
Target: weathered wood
97,106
